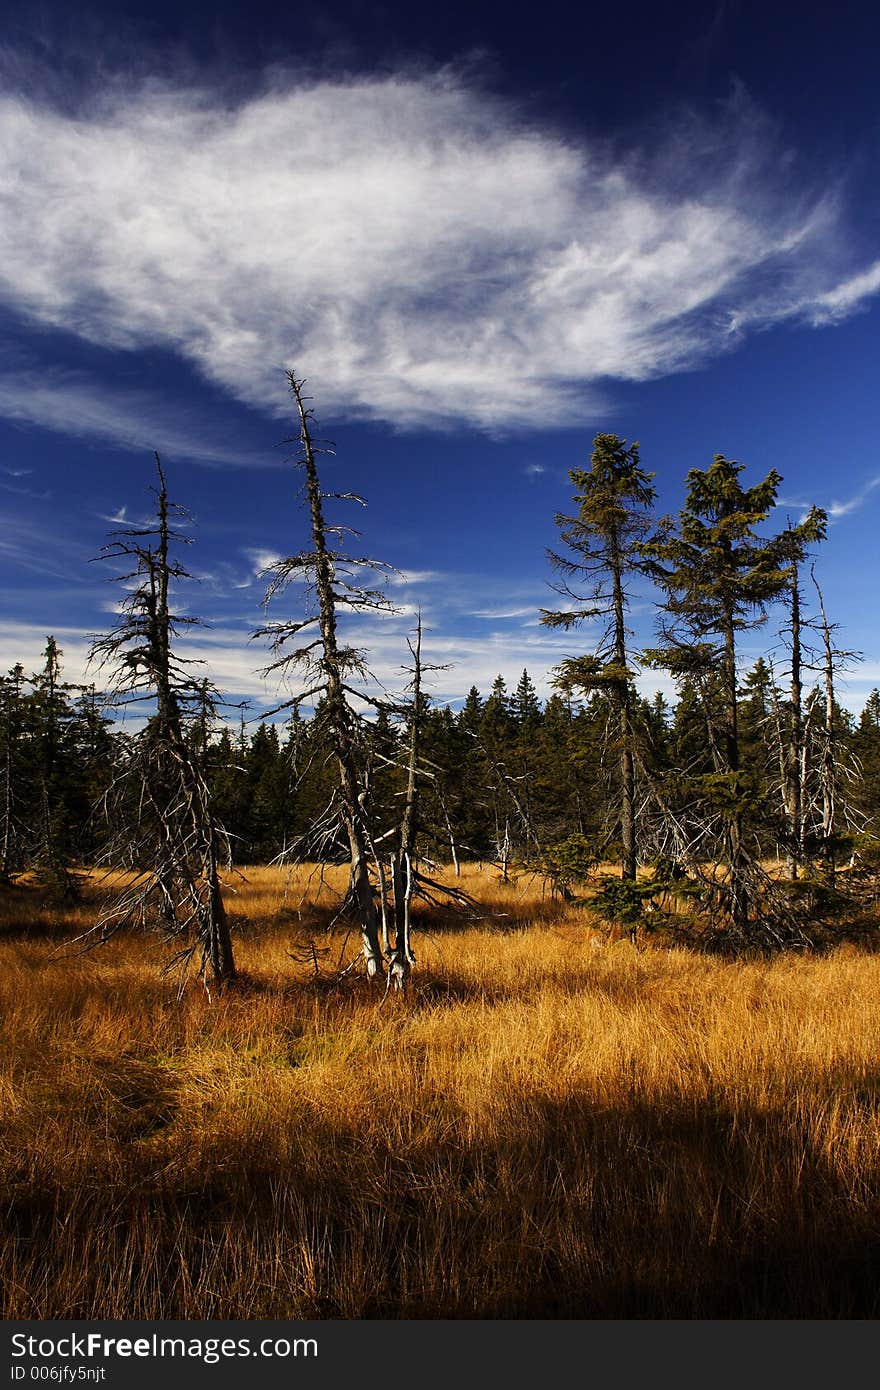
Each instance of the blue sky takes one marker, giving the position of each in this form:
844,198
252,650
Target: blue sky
483,234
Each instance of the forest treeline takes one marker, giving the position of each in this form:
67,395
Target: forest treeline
507,779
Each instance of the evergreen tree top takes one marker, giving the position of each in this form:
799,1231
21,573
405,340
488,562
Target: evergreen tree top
526,705
869,720
711,560
614,483
613,496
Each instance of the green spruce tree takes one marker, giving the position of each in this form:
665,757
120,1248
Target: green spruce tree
614,499
718,575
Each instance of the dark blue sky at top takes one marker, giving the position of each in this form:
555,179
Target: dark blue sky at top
464,506
608,65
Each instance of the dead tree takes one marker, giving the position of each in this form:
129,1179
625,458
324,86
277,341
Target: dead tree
14,780
828,759
831,807
158,805
407,881
811,530
793,783
401,959
327,667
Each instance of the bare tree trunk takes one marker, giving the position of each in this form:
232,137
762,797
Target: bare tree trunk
504,853
401,957
453,847
174,829
360,887
6,845
383,898
782,751
219,942
805,769
793,779
739,898
624,718
827,767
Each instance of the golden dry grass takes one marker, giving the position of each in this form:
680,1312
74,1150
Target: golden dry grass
552,1126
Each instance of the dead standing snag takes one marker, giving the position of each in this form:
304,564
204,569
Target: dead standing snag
158,805
326,667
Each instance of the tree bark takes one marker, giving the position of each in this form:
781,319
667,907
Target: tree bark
827,767
793,782
624,715
739,898
360,887
401,957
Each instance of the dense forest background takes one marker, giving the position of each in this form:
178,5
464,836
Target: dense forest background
506,779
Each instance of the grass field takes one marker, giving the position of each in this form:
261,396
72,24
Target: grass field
553,1125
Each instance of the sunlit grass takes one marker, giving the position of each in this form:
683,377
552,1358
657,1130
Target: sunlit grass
554,1124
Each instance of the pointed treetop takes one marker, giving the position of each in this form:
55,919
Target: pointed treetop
526,705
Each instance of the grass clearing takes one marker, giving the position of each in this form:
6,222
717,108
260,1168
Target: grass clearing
553,1125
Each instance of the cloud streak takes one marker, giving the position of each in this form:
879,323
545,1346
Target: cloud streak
73,403
414,246
838,509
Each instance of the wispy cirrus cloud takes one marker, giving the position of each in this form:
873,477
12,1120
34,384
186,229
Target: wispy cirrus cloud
260,560
852,504
74,403
836,303
422,251
837,508
38,549
526,612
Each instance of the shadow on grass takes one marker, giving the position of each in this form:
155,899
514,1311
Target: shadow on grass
632,1211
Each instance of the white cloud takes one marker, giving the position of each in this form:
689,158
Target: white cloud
42,551
843,298
229,657
234,662
503,612
402,578
260,560
75,404
26,642
410,245
839,509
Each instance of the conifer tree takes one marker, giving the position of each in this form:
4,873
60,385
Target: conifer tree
866,746
51,848
403,870
525,705
506,779
718,575
614,499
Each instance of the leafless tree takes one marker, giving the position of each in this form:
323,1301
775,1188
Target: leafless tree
158,805
833,769
311,650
